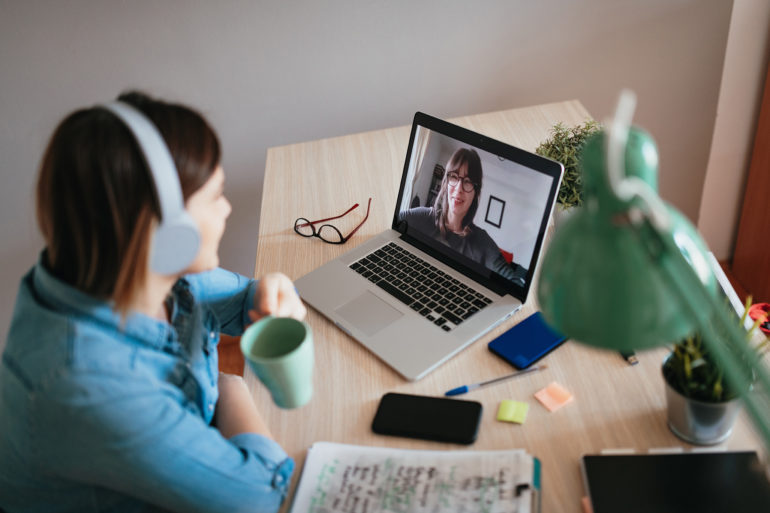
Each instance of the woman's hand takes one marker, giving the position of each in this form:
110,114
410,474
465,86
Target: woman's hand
276,296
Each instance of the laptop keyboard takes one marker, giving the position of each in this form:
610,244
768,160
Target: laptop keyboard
427,290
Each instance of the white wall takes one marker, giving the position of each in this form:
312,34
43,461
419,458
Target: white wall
740,98
273,73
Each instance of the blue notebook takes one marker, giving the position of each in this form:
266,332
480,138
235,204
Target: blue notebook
527,342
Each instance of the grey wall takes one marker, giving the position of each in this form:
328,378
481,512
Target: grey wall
274,73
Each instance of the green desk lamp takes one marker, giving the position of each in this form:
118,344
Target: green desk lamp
627,271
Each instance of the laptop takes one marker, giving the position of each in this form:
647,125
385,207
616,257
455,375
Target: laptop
415,295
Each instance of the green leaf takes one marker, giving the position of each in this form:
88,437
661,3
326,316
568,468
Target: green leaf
564,145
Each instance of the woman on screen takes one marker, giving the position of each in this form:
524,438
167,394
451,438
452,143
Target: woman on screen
450,219
110,395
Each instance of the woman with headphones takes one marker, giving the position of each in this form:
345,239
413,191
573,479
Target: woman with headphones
110,395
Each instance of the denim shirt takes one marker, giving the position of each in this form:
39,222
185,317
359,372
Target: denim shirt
99,413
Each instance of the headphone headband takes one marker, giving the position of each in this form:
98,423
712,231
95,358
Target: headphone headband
176,240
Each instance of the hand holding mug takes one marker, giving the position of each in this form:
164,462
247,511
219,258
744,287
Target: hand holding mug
277,296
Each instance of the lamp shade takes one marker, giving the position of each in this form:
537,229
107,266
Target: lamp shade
601,282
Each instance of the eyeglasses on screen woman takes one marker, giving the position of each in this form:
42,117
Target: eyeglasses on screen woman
327,232
453,179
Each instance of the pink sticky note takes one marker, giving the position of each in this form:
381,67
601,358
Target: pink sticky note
554,396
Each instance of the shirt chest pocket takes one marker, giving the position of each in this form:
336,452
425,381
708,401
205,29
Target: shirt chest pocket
199,367
210,334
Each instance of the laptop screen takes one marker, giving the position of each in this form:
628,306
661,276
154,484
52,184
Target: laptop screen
476,204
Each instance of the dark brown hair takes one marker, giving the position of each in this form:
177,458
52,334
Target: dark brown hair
96,202
441,205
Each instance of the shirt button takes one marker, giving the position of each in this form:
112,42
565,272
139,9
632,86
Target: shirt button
211,406
212,335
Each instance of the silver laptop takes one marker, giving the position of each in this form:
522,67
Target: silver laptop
459,258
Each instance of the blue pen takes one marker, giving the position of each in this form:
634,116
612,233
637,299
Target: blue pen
467,388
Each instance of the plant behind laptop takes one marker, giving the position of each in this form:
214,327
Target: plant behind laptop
564,145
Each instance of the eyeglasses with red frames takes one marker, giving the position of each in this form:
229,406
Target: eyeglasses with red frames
327,232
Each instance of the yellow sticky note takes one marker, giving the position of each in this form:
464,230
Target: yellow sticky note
554,396
512,411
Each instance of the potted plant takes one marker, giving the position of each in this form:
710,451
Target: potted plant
564,145
702,406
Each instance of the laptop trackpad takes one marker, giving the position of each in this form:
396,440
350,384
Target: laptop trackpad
368,313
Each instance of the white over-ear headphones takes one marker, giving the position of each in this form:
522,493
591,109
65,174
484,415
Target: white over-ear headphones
176,240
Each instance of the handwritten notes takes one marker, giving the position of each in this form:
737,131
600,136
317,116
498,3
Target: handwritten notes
341,478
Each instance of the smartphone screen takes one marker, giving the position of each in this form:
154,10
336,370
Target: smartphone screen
428,418
527,342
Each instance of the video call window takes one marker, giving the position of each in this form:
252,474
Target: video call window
500,202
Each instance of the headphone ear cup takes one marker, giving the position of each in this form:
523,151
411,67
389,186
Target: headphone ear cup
176,240
175,245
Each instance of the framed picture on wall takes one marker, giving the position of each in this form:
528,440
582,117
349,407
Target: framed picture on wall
495,209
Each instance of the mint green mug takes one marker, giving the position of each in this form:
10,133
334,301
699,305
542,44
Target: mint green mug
280,352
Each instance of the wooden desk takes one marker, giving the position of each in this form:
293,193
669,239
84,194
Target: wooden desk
615,406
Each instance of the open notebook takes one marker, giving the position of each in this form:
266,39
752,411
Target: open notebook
341,478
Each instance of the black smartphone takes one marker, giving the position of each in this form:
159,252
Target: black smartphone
428,418
527,342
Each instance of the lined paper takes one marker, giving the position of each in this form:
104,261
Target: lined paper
341,478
